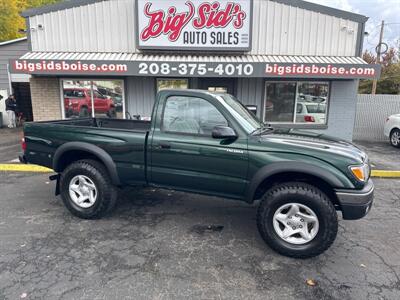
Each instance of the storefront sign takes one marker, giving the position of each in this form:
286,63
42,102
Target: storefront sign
194,24
195,69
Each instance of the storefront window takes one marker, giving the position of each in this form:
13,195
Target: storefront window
296,102
86,98
168,83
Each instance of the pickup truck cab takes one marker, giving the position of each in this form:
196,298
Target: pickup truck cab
209,143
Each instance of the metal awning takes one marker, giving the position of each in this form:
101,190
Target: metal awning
190,65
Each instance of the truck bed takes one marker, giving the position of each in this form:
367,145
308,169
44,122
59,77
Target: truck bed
124,140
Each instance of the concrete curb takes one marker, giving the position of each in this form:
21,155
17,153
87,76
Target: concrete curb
385,174
24,168
34,168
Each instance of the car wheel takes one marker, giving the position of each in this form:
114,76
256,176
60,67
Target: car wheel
86,189
84,112
112,113
395,138
297,220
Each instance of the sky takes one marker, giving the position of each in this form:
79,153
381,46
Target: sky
376,10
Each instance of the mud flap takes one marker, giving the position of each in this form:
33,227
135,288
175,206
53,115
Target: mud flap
56,177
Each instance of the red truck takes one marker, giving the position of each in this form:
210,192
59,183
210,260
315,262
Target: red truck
77,102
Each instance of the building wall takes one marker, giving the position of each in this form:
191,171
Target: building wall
342,109
10,51
46,102
140,95
109,26
250,91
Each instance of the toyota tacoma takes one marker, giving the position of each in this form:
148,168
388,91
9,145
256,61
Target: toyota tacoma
209,143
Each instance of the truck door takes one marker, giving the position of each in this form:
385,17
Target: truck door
184,155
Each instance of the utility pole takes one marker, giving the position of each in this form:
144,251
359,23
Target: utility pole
378,57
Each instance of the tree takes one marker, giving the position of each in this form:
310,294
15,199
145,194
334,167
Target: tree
389,82
10,20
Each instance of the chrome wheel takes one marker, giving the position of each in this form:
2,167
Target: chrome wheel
395,138
82,191
295,223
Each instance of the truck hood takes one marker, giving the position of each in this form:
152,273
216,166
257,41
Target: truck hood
310,143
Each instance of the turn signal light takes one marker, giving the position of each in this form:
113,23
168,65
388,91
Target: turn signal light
359,172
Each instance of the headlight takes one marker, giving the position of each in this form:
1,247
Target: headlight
360,172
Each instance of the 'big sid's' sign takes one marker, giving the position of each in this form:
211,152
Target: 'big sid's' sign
194,24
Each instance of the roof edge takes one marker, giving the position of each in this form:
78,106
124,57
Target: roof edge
343,14
13,41
296,3
57,6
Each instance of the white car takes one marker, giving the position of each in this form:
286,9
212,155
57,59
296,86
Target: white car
310,112
392,130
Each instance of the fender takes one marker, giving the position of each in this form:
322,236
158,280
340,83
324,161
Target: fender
104,157
291,166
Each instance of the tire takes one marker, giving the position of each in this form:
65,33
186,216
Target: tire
395,138
304,196
106,193
84,112
112,113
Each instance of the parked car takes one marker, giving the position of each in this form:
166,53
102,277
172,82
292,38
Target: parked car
209,143
78,102
310,112
392,130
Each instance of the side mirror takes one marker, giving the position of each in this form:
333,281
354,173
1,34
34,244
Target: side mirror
223,132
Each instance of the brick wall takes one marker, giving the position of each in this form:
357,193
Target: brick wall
46,103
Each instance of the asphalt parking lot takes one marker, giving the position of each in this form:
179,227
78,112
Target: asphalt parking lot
158,245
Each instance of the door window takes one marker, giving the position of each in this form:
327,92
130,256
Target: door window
190,115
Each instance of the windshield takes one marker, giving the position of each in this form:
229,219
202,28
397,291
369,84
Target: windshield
249,122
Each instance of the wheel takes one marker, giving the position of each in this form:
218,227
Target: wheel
395,138
297,220
112,113
84,112
86,189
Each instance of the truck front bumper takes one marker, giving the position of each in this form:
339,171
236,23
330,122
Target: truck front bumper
356,204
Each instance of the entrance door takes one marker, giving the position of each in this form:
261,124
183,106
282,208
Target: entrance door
218,84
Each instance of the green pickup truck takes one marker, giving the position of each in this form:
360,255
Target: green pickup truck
209,143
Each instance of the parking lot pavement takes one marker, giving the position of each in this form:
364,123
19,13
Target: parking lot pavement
171,245
382,155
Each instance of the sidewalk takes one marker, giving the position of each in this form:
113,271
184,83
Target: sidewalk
9,143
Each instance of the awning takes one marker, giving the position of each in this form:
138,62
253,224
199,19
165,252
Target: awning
187,65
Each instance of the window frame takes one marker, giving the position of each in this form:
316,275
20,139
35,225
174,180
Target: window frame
187,133
293,123
91,80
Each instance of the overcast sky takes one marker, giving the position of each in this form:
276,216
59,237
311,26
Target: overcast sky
376,10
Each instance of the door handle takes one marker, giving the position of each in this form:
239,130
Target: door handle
164,146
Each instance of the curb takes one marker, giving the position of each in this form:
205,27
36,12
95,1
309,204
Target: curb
385,174
40,169
24,168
